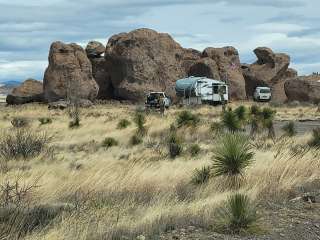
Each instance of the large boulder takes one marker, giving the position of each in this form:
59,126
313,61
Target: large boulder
271,69
29,91
144,60
205,67
102,76
95,49
303,89
69,74
228,61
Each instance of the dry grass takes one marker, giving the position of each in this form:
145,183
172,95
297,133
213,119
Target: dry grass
131,190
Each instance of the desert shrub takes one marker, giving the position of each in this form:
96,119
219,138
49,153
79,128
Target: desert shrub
123,123
315,140
238,213
109,142
45,120
19,122
289,129
231,157
231,121
136,139
140,120
22,143
186,118
201,176
174,145
194,149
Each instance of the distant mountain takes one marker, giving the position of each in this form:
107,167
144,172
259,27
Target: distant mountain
7,86
10,83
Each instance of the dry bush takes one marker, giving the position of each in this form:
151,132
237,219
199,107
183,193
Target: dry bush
22,144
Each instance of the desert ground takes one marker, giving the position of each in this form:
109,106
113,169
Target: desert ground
82,187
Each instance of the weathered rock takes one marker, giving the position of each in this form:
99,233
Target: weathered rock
101,75
205,67
69,74
95,49
303,89
144,60
229,67
29,91
271,69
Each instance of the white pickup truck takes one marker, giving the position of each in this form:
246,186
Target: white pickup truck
262,94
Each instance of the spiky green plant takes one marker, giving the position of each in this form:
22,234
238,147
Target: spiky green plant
289,129
123,123
201,176
231,121
255,120
241,113
268,115
231,157
187,118
194,149
238,214
109,142
315,140
140,120
174,145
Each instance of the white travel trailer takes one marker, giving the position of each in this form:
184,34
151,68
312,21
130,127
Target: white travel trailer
198,90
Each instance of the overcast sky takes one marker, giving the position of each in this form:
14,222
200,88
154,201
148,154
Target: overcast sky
27,27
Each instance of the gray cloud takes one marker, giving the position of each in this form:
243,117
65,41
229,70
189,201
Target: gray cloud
27,28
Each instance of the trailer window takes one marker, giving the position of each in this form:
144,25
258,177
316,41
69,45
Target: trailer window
215,89
223,89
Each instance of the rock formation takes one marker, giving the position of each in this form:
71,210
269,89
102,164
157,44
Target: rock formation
95,49
69,74
271,69
205,67
144,60
303,89
29,91
229,67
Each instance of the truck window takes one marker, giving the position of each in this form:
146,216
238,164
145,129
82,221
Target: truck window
264,90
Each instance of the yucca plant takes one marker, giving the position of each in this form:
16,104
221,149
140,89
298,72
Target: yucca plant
231,157
187,118
174,145
241,113
109,142
289,129
194,149
123,123
315,140
140,120
238,213
231,121
255,120
268,115
201,176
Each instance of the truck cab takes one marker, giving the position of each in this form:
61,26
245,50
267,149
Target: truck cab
262,94
153,100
